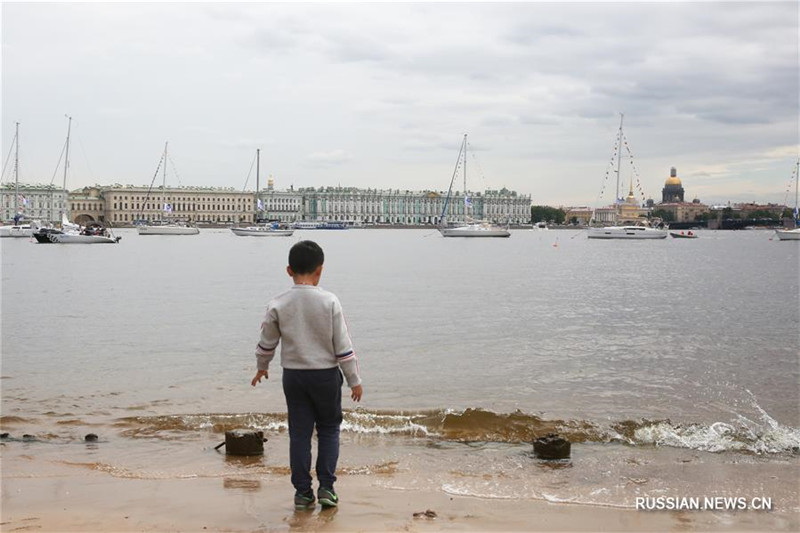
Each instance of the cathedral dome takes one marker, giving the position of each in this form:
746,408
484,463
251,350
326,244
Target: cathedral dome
673,178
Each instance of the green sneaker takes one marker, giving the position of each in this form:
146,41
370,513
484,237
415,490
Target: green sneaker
327,497
304,500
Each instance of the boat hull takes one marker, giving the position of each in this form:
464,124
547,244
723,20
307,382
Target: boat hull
262,232
17,231
788,234
475,231
627,232
167,230
681,235
74,238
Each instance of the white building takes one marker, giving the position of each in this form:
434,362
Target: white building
392,206
32,202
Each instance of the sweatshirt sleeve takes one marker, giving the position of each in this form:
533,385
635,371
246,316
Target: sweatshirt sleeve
270,336
343,347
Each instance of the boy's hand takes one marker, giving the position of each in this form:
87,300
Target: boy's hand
260,374
355,393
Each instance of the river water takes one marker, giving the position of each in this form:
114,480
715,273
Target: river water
673,366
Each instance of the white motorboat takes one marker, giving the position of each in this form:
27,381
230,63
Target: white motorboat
627,232
262,231
793,234
164,227
788,234
468,227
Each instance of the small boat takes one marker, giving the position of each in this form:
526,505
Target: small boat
93,233
682,235
469,227
793,234
262,231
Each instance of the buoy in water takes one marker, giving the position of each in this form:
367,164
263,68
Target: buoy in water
552,446
239,442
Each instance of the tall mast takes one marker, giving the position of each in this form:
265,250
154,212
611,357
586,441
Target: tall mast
258,182
16,170
619,157
164,184
465,177
66,161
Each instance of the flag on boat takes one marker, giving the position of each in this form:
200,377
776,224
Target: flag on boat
260,205
796,213
467,201
23,200
168,208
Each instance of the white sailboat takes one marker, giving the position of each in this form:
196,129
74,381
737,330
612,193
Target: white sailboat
793,234
469,227
165,226
16,229
71,233
641,229
261,230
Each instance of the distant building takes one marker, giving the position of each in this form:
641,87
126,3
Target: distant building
32,202
125,205
673,188
581,215
673,204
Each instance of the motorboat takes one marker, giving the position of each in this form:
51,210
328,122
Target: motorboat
688,235
627,232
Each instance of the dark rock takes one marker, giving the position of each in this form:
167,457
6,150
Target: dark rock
5,435
239,442
28,437
91,437
552,446
426,514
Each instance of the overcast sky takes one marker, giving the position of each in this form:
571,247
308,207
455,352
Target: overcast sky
379,95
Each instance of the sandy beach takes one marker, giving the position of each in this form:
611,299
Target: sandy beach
77,499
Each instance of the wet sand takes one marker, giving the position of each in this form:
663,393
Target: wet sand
71,500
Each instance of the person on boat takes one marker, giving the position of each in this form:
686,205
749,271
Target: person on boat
316,351
690,233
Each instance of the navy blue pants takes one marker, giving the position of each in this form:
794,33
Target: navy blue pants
313,399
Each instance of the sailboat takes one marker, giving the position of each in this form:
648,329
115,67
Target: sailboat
470,227
640,229
17,229
263,230
793,234
70,233
165,226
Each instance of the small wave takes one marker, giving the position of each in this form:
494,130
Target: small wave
10,420
766,436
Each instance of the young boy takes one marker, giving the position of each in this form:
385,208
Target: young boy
315,345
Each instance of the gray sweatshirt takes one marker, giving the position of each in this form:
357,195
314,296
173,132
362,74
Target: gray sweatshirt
309,324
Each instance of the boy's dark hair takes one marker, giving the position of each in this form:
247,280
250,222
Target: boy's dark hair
305,257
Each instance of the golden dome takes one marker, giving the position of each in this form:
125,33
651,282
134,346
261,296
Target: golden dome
673,178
